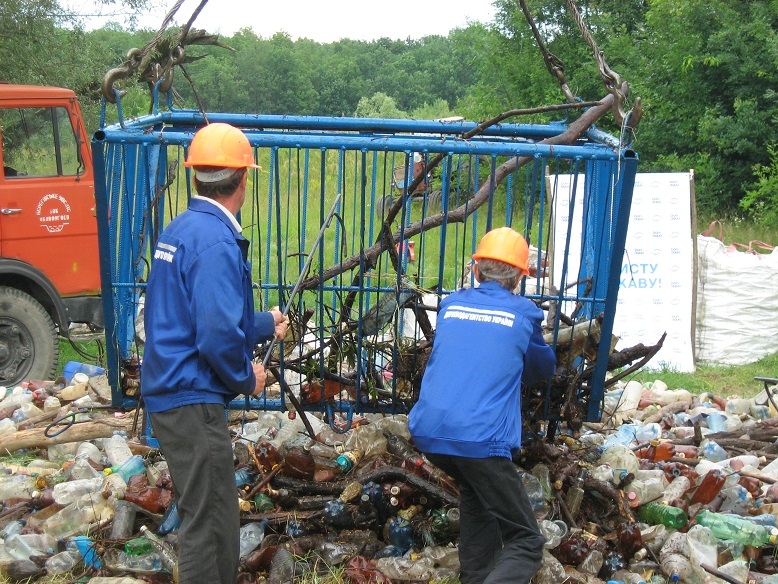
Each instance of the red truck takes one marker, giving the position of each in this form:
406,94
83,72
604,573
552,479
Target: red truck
49,261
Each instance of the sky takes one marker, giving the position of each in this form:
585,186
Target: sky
322,21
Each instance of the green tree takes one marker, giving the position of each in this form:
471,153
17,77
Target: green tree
379,105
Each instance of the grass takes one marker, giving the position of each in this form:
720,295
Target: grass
725,381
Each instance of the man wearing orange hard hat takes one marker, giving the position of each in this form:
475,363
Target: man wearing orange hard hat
201,330
467,420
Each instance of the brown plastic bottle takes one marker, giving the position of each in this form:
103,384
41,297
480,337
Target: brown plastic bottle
709,487
657,451
630,538
267,456
152,499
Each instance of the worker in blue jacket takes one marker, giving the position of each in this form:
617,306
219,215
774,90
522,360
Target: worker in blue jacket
201,330
467,421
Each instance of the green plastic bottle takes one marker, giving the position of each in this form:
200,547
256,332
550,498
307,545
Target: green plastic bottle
656,513
740,530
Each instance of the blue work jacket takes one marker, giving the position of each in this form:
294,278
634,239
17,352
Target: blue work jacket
487,341
201,327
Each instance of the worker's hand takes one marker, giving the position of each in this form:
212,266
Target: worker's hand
281,322
260,377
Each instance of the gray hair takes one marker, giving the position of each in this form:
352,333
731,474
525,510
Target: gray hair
504,274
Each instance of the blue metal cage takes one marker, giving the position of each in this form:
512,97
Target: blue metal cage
366,312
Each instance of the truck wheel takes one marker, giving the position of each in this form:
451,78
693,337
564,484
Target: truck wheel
29,346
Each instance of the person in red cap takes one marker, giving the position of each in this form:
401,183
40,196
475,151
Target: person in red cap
201,332
467,420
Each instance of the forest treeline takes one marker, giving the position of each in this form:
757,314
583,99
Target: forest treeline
706,73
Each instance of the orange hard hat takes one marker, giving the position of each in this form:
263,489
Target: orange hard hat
221,144
505,245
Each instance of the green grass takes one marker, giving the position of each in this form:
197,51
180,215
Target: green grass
725,381
739,230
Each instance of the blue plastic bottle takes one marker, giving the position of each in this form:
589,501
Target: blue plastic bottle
401,534
133,466
171,521
243,476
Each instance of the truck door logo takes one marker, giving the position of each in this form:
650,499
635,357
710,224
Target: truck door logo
53,212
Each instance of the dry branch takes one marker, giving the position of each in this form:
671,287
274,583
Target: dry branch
458,215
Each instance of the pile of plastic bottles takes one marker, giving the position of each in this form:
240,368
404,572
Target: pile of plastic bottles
696,513
647,495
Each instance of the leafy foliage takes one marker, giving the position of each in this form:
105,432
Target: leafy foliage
705,71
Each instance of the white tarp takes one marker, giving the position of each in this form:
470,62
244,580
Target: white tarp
656,289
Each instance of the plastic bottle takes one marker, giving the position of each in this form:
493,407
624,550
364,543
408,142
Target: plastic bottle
709,487
62,562
17,487
22,547
83,469
591,564
138,546
116,450
740,530
716,422
677,567
86,547
542,473
401,534
677,488
712,451
70,491
123,520
338,514
348,460
134,465
151,499
645,491
251,535
575,494
534,490
171,521
619,456
658,513
78,516
365,515
657,451
165,551
553,531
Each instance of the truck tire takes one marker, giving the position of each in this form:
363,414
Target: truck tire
29,345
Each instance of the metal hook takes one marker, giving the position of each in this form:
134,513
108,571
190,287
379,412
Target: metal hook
123,71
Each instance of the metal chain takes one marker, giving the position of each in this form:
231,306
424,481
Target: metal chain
138,59
610,78
554,64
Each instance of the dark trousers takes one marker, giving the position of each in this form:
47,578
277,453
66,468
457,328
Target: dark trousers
499,539
196,443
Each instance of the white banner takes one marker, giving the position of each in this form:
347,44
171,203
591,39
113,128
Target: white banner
656,283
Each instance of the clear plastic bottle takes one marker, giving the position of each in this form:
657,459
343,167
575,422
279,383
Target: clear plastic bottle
22,547
78,516
123,520
62,562
165,551
677,567
553,531
677,488
17,486
251,535
575,494
712,451
116,450
70,491
645,491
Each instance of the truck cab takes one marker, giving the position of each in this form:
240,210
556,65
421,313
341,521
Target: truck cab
49,266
